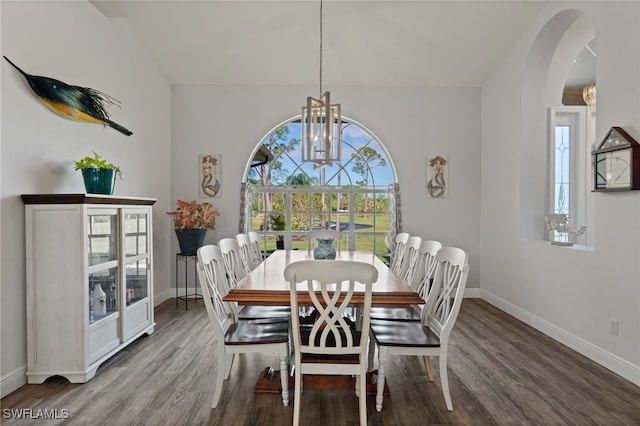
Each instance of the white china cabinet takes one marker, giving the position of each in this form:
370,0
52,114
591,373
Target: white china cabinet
75,243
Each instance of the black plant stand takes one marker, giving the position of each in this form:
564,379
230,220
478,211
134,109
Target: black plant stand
186,258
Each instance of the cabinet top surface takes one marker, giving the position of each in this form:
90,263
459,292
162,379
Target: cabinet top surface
84,199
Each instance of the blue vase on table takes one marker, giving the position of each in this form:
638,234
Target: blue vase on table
324,249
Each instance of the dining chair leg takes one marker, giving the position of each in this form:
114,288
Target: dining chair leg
220,377
382,359
297,398
284,377
227,367
427,364
371,353
357,385
363,395
444,379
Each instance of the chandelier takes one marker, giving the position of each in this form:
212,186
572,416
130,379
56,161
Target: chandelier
589,94
321,125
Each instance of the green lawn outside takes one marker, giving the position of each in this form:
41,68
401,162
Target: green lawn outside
363,242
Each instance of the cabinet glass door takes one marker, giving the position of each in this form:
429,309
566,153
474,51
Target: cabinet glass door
136,281
103,294
135,234
102,238
136,249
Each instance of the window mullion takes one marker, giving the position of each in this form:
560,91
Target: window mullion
352,220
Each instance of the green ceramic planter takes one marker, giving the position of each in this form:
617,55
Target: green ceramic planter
99,181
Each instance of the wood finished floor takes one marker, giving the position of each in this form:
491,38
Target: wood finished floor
501,372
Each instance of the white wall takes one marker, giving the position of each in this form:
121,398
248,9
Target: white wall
568,293
410,122
74,43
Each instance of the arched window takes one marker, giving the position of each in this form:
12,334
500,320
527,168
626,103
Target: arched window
284,197
572,136
555,140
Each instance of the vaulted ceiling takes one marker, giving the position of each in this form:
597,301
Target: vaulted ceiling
365,43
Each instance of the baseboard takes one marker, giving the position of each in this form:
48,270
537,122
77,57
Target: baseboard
12,381
606,359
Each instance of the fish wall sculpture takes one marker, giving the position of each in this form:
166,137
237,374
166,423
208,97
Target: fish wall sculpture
73,102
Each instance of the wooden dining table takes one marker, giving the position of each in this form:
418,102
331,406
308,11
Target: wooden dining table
267,286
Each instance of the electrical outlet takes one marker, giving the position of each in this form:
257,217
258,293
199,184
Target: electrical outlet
614,326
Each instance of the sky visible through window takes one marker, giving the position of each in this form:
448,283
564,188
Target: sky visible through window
377,171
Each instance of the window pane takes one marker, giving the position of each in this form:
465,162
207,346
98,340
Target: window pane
102,238
135,228
103,297
136,281
562,169
289,197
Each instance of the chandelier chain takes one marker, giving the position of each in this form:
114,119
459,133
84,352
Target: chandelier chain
320,48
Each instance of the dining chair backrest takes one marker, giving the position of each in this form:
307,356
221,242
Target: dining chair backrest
430,337
420,279
397,254
333,234
233,335
449,284
426,266
409,259
232,260
246,253
254,238
330,345
211,275
325,281
251,312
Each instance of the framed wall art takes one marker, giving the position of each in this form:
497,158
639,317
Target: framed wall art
209,166
437,176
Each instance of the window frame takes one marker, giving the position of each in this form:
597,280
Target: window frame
250,191
580,206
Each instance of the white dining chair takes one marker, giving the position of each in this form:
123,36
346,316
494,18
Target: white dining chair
409,259
254,239
421,282
234,336
246,253
312,236
232,260
430,337
330,345
244,312
397,254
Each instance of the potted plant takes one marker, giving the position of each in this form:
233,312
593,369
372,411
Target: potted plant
191,221
99,175
276,222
